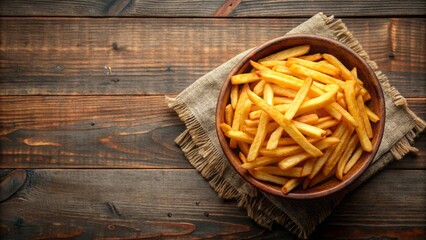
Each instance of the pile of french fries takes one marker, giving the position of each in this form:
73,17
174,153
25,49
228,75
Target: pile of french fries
298,119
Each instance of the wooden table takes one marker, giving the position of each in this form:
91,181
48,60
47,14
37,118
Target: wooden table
82,86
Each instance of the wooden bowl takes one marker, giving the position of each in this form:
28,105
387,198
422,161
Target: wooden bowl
318,45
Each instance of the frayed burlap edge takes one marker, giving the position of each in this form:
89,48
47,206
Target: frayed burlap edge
201,153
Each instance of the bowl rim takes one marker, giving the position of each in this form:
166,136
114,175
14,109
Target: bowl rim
297,195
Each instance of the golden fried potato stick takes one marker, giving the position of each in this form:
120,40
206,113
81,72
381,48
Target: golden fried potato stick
244,147
320,177
349,89
346,74
244,78
327,124
309,130
258,89
295,159
281,100
288,127
271,64
317,66
313,57
291,184
260,161
229,114
311,118
274,170
371,115
234,96
364,116
319,76
307,167
298,100
238,113
287,53
242,157
259,175
261,128
281,151
274,138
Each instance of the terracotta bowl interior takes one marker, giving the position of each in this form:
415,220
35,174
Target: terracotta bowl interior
318,45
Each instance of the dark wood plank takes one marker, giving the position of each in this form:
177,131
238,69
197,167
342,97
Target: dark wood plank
89,131
179,204
71,55
204,8
105,131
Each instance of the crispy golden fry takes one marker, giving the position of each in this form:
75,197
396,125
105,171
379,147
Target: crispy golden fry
253,130
258,89
251,123
346,74
257,66
238,113
349,90
311,118
307,167
338,151
244,78
260,161
274,138
313,57
317,66
321,178
239,136
309,130
371,115
242,157
281,100
288,53
259,175
289,127
346,155
281,91
355,157
229,114
295,159
298,100
364,117
324,119
346,116
244,147
271,64
263,125
293,172
291,184
234,96
282,151
327,124
321,77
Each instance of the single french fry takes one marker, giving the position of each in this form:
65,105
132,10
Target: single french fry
298,100
283,69
313,57
239,136
244,78
309,130
295,159
317,66
364,117
327,124
321,77
281,151
319,163
244,147
307,167
346,74
289,127
257,65
281,100
229,114
354,158
281,91
346,116
346,155
349,89
225,127
274,138
311,118
288,53
251,123
291,184
260,161
338,151
371,115
234,96
271,64
253,130
263,125
320,177
242,157
324,119
274,170
258,89
238,113
259,175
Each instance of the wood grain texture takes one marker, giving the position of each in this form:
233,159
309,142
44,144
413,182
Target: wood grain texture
205,8
105,132
89,204
163,56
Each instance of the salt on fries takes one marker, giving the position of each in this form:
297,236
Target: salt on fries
298,119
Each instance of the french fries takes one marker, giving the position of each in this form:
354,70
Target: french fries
299,118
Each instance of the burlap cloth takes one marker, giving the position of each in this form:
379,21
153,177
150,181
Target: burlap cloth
196,108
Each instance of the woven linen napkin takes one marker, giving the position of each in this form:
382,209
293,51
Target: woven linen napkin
196,108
